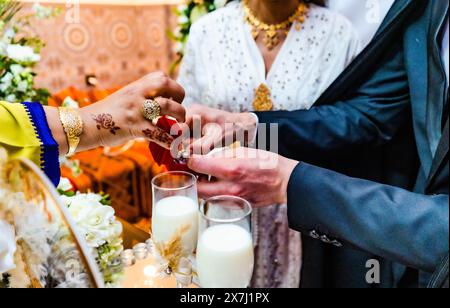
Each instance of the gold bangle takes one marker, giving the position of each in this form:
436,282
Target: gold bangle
73,127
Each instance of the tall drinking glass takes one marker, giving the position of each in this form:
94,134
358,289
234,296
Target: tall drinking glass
225,256
175,209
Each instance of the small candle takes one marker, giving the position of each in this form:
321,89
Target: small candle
172,214
225,257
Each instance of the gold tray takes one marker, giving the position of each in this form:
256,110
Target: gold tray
70,263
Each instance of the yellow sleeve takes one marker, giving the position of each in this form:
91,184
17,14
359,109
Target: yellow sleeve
24,133
17,134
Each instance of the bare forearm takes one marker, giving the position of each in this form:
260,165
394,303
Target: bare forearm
119,118
56,128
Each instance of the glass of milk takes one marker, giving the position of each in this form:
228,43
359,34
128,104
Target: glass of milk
175,208
225,256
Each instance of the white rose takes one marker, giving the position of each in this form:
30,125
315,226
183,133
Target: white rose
97,223
70,102
182,8
3,46
179,47
6,81
42,12
183,19
16,69
80,201
22,86
7,78
65,185
94,220
117,229
94,199
220,3
11,98
7,247
9,34
21,53
177,31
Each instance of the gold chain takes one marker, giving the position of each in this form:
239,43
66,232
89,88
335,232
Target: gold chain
271,31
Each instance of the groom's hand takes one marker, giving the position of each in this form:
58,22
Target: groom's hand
216,128
259,177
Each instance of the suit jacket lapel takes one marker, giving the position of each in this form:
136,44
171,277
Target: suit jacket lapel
436,75
441,154
367,58
417,56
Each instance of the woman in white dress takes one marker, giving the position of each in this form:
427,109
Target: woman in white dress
267,55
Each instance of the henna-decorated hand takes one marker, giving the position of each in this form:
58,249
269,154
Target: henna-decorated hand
118,118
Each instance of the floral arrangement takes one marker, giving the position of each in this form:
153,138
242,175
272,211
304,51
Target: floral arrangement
187,14
95,218
35,251
19,52
38,252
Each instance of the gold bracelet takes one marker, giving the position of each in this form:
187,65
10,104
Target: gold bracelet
73,127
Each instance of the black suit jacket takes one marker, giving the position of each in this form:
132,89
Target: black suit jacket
407,227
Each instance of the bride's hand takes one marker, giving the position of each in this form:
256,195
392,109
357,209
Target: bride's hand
214,128
119,118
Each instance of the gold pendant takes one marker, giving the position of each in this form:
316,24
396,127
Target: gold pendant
262,100
271,39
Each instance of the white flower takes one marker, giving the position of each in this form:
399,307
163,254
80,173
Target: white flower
22,86
42,12
179,47
9,34
70,102
11,98
7,247
16,69
198,12
3,46
181,8
183,19
95,220
177,31
6,81
3,87
21,53
7,78
65,185
219,3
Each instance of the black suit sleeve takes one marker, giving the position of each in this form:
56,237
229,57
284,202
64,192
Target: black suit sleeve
390,222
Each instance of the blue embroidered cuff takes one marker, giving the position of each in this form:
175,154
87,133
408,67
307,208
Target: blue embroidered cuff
49,146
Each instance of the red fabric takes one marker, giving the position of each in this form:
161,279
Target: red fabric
162,156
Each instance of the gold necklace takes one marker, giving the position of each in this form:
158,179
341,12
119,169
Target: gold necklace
271,31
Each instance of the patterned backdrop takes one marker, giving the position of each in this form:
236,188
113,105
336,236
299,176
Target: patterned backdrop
116,43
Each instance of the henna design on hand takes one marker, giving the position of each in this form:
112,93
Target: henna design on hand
105,121
158,135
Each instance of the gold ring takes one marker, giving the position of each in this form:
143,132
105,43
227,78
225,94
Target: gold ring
151,110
